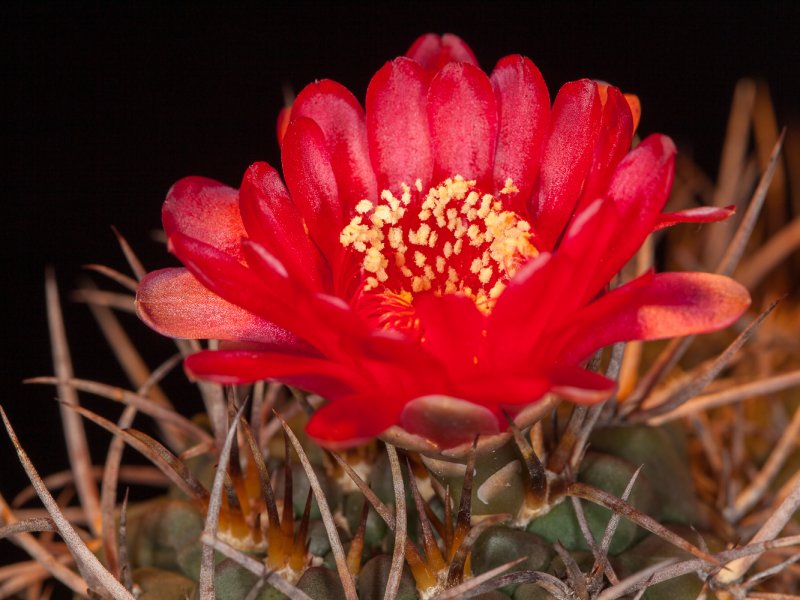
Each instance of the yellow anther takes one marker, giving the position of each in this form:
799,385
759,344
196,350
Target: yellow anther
486,206
363,207
422,234
475,235
420,284
509,187
374,260
496,290
455,211
395,238
382,214
475,267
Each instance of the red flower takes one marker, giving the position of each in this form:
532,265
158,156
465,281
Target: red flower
446,252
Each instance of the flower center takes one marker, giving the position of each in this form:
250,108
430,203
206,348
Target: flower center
451,240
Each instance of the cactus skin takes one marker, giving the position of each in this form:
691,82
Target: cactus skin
163,535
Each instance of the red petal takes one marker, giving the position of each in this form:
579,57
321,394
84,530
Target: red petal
452,329
271,218
448,421
235,367
567,156
701,214
397,125
341,119
581,386
531,303
434,52
614,141
205,210
312,183
663,306
638,190
174,303
584,249
351,421
504,389
318,315
462,114
523,106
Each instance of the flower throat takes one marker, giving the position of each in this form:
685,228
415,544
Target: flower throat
452,240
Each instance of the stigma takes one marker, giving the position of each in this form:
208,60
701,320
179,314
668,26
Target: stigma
453,239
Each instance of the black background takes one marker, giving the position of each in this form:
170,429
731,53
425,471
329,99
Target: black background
108,104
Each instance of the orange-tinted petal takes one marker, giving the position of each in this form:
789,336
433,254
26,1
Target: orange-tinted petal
661,306
174,303
701,214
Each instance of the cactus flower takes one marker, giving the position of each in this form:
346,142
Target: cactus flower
436,259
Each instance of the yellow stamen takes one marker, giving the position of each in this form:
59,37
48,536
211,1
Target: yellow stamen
450,214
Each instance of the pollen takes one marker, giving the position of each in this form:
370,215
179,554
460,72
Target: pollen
363,207
509,187
451,239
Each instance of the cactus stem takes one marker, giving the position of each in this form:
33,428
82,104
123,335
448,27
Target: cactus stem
611,502
345,576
